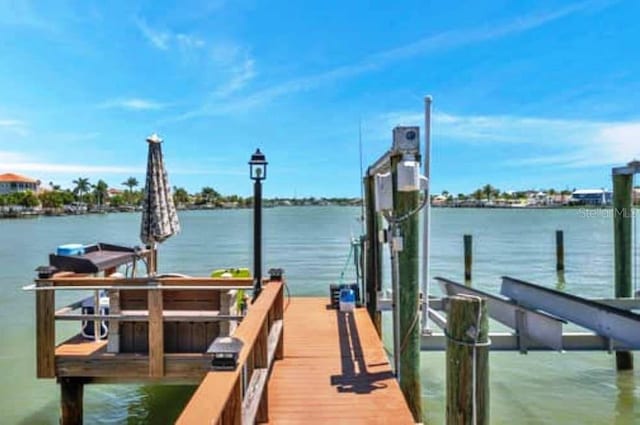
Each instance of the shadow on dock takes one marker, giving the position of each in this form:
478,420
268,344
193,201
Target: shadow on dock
355,377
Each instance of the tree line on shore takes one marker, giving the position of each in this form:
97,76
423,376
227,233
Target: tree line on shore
489,193
97,196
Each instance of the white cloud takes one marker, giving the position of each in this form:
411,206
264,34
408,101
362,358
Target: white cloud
133,104
15,161
158,38
239,75
164,39
438,42
567,143
13,126
189,41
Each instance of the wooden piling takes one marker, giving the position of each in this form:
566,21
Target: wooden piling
156,334
559,250
45,332
462,325
372,254
71,394
404,203
468,257
622,214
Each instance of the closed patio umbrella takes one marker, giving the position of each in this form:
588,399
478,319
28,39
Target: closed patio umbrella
159,216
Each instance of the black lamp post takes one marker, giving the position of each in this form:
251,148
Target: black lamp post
258,172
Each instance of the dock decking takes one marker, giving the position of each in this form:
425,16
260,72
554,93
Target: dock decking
335,370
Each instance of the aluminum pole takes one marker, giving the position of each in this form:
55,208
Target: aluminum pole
426,216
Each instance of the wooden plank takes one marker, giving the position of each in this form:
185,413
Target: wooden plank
170,337
340,372
131,366
127,340
113,336
278,314
83,280
199,343
192,299
79,346
253,397
140,338
184,337
156,334
275,336
232,413
227,301
45,333
213,398
143,316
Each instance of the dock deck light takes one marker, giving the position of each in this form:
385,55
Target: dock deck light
258,166
225,352
46,272
258,173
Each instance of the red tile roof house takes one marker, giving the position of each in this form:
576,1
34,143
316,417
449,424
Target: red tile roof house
10,183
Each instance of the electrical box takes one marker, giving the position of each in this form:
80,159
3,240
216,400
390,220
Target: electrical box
384,192
408,176
406,140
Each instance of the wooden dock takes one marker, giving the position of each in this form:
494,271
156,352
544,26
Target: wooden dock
334,370
299,360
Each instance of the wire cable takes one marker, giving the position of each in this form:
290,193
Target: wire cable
636,260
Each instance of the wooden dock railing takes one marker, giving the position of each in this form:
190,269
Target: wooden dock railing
240,396
155,311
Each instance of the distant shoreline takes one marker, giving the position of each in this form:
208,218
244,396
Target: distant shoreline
25,213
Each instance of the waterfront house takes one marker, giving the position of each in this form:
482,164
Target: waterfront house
591,197
11,183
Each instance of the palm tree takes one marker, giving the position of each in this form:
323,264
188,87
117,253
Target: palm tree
180,195
82,187
131,182
100,191
209,194
477,195
488,190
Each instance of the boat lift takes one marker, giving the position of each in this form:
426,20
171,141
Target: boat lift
537,316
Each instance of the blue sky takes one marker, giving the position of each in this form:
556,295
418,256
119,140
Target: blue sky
527,94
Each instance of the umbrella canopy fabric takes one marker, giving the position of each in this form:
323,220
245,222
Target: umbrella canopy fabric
159,216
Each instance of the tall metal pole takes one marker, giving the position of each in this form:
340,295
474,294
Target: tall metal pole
426,215
622,213
373,270
257,238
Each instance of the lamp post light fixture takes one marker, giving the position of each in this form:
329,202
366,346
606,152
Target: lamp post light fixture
258,173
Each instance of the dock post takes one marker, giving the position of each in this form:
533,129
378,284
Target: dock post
156,333
71,394
372,254
405,201
468,258
45,332
467,361
622,214
559,251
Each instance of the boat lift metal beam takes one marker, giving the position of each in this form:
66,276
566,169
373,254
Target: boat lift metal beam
533,328
505,341
605,320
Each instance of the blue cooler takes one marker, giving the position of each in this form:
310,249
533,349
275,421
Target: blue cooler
70,249
347,300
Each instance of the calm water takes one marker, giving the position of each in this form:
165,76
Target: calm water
312,244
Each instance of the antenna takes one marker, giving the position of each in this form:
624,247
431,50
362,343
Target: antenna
361,175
